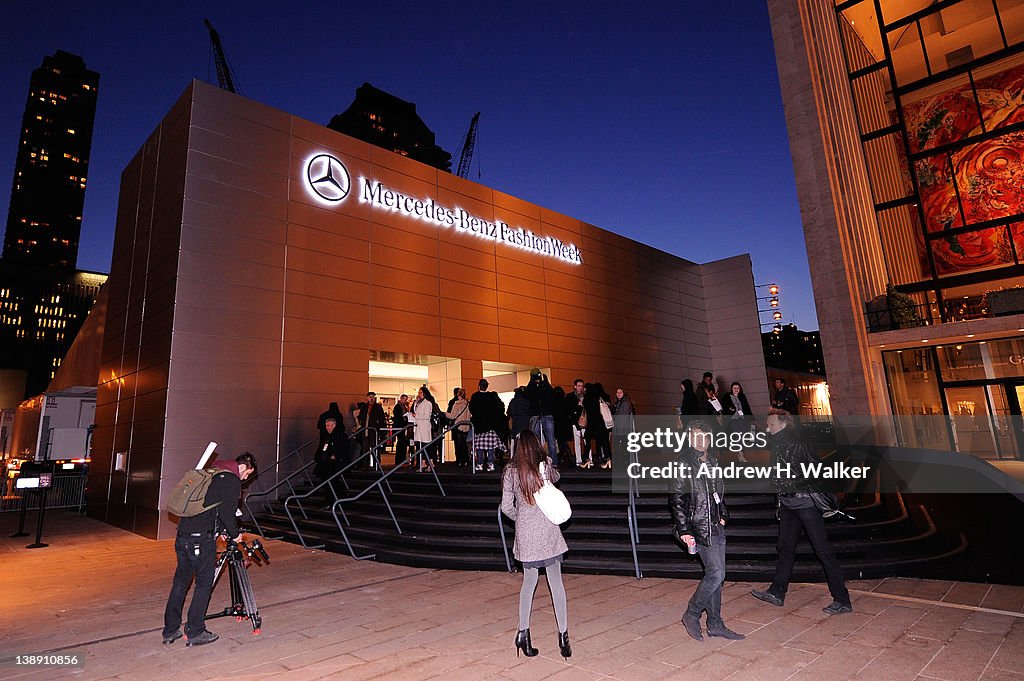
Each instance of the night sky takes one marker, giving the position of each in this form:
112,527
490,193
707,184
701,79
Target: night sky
661,121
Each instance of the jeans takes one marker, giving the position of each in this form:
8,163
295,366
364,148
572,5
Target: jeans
790,522
485,455
196,556
544,428
708,595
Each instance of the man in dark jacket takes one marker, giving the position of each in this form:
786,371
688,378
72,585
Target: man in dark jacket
700,514
785,398
375,423
574,409
332,453
490,424
519,411
797,510
708,403
688,405
400,423
542,412
196,548
333,412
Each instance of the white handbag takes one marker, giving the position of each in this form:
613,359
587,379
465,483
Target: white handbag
551,501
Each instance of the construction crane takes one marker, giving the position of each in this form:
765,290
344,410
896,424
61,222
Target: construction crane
225,75
468,145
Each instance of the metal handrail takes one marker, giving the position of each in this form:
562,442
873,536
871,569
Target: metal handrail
288,481
371,454
336,506
504,543
277,466
631,520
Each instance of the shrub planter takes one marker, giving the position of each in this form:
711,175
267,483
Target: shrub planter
1006,301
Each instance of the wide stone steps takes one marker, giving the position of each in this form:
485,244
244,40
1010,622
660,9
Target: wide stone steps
460,530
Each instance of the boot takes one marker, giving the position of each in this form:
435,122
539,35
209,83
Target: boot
563,645
523,643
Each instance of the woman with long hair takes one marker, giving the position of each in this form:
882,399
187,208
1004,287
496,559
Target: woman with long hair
539,542
624,414
736,409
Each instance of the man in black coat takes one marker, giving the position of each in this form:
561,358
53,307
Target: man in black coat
797,511
542,412
375,422
785,398
708,403
519,411
700,514
196,548
332,453
490,425
333,412
400,423
574,410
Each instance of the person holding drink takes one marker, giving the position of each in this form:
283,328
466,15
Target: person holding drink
700,515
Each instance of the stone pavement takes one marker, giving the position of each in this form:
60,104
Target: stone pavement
101,591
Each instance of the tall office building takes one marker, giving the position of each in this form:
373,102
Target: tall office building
43,298
385,121
793,349
906,125
44,220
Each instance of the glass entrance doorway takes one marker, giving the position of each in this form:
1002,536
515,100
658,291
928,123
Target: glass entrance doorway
986,419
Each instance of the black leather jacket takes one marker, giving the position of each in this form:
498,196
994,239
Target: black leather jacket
788,447
690,499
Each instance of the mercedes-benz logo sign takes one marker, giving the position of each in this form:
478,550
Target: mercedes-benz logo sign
328,177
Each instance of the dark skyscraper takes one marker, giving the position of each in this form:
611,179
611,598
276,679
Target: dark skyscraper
43,298
391,123
45,217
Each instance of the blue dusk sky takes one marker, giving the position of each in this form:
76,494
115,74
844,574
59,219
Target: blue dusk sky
661,121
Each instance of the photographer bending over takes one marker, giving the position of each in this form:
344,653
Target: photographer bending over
196,548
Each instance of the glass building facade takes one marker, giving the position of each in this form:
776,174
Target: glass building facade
906,126
938,89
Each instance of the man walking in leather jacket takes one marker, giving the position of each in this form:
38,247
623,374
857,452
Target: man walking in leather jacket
700,514
797,510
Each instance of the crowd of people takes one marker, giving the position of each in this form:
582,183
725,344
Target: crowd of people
576,428
542,426
581,427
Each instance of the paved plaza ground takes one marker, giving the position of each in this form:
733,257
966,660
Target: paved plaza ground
100,591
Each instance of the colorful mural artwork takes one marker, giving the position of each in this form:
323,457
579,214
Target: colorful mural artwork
986,179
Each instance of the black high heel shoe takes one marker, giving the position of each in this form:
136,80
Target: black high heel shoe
523,643
563,645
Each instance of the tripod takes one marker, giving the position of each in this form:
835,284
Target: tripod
243,601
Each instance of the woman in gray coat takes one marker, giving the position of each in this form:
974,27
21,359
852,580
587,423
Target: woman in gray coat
539,542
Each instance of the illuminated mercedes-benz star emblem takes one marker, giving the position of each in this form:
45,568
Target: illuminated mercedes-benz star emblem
328,177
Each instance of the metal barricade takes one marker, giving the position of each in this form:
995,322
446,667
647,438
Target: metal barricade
68,491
